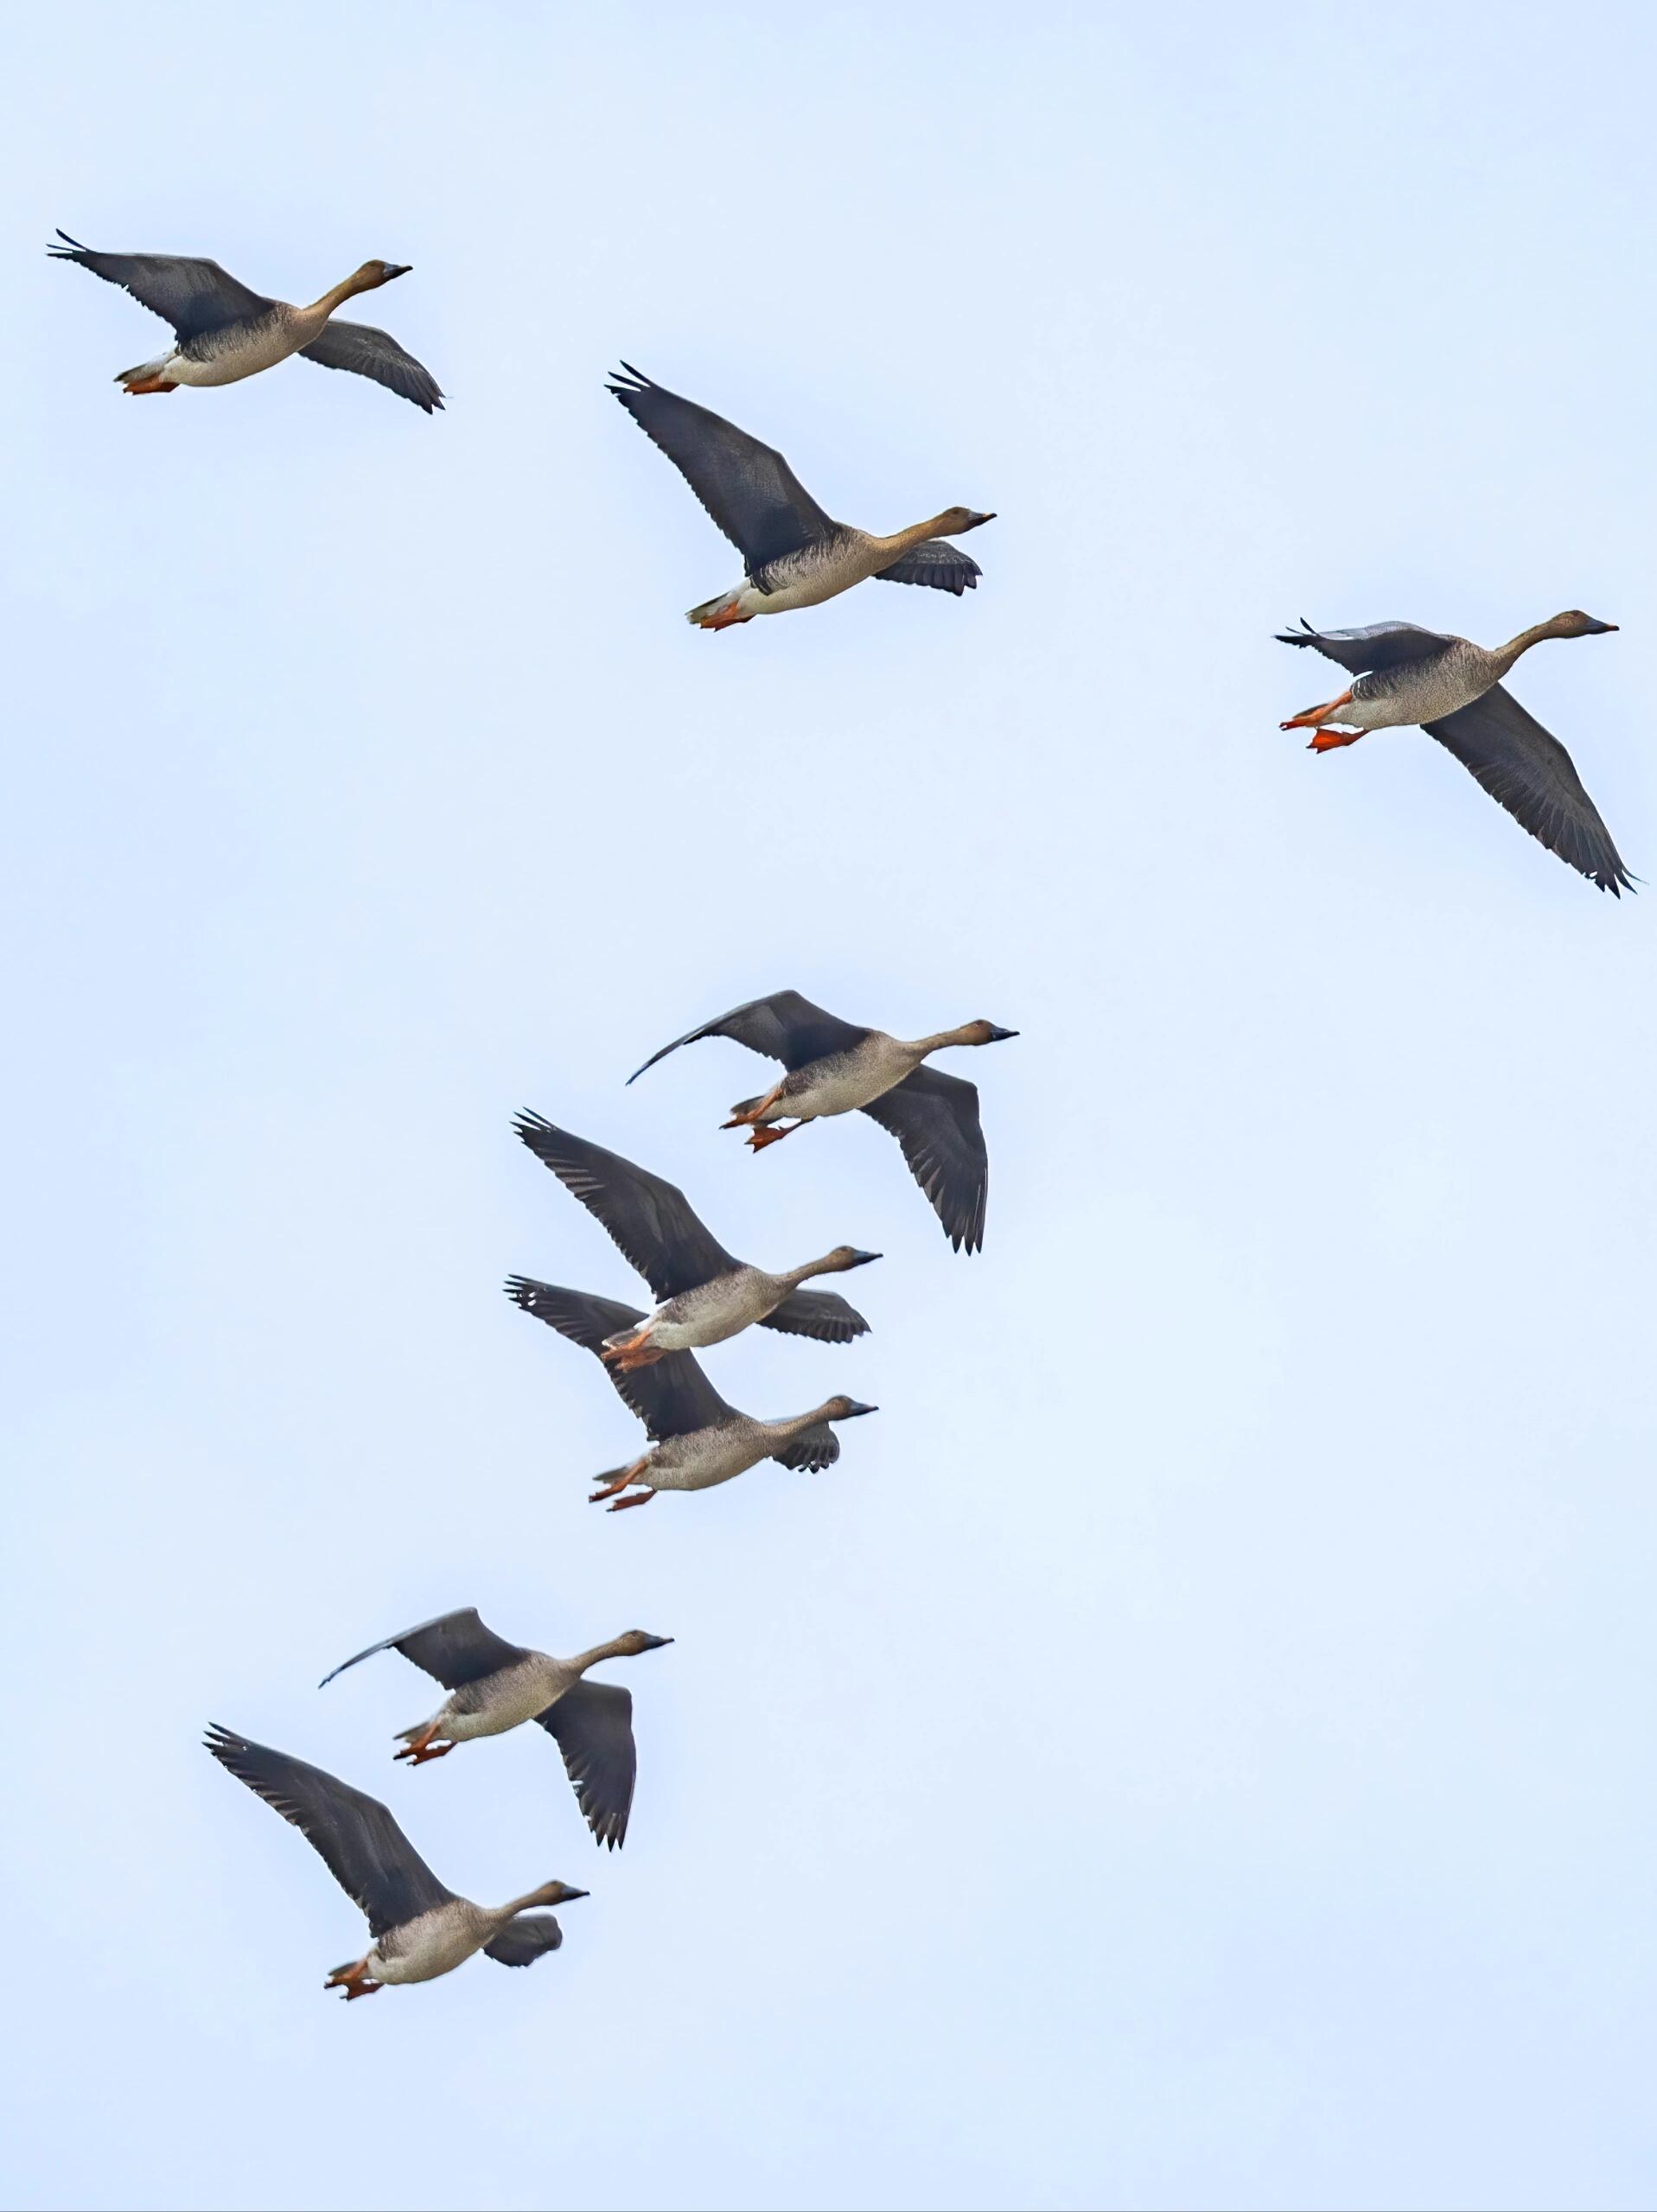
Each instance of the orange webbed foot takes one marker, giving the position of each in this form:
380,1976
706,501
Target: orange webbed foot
354,1980
1310,717
618,1481
419,1745
635,1351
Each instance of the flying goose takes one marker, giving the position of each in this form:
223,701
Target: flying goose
835,1066
1453,689
707,1294
420,1928
793,554
225,332
698,1439
495,1686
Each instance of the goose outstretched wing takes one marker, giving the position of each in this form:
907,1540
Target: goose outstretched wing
1525,769
195,296
650,1219
365,351
938,562
672,1397
1382,644
934,1117
592,1726
748,489
811,1451
524,1939
359,1842
784,1027
452,1647
822,1314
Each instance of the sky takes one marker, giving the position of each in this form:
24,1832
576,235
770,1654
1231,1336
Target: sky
1194,1747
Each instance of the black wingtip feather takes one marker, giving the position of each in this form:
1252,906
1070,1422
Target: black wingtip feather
623,391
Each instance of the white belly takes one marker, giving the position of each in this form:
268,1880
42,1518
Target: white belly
682,1335
180,370
515,1695
822,583
847,1080
713,1312
466,1727
811,591
747,601
427,1948
836,1095
708,1329
263,352
1421,691
1367,714
699,1461
841,1086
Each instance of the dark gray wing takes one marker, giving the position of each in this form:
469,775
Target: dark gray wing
363,1848
453,1648
938,562
649,1219
367,352
934,1117
672,1397
526,1939
812,1449
592,1726
1382,645
1525,769
784,1027
822,1314
749,488
194,296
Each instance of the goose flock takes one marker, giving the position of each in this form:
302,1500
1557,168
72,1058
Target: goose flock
794,555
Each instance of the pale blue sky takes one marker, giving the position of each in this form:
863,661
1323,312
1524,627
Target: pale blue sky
1195,1748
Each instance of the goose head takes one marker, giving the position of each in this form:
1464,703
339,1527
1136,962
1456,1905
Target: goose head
955,520
634,1640
845,1256
373,274
983,1033
553,1893
845,1408
1574,623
